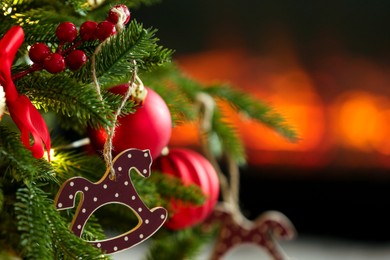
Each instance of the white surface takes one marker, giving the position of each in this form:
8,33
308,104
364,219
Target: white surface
302,248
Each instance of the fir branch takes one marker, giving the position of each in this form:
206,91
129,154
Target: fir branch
125,219
63,94
70,164
42,32
114,62
223,138
30,211
254,108
170,187
21,164
166,80
179,105
93,230
9,236
44,231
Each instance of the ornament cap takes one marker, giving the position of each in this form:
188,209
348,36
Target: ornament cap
138,94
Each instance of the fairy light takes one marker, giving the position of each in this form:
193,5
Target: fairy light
21,19
52,154
75,144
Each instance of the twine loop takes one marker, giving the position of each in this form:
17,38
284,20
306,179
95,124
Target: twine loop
136,89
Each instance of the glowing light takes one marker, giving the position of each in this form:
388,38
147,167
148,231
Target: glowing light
52,155
361,121
287,88
184,135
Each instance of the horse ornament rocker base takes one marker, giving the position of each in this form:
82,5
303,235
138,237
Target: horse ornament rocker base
113,190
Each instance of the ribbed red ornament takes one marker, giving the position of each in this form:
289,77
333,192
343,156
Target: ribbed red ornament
149,127
191,168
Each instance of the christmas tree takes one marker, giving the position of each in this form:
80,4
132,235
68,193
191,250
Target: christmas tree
77,71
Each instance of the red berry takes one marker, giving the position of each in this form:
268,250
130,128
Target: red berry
76,59
39,52
88,30
119,13
66,32
104,30
54,63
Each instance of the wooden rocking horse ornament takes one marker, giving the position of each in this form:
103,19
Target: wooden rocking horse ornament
117,190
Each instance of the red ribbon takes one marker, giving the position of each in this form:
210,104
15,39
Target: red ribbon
23,113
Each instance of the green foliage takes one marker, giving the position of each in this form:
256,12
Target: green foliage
254,108
223,137
30,211
70,164
79,102
20,164
43,232
116,58
164,81
170,187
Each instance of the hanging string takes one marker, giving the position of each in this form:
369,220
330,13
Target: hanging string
132,90
229,188
93,71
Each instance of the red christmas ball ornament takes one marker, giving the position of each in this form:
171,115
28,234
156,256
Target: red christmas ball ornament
191,168
148,128
54,63
76,59
39,52
66,32
119,14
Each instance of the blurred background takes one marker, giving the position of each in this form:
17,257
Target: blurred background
325,65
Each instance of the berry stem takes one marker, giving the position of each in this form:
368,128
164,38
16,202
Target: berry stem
34,67
72,47
59,49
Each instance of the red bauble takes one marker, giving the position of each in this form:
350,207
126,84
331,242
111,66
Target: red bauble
191,168
148,128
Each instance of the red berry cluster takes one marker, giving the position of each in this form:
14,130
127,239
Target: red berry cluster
66,32
55,62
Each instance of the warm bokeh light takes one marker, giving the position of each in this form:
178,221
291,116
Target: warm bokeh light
186,134
335,107
292,95
361,121
282,84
